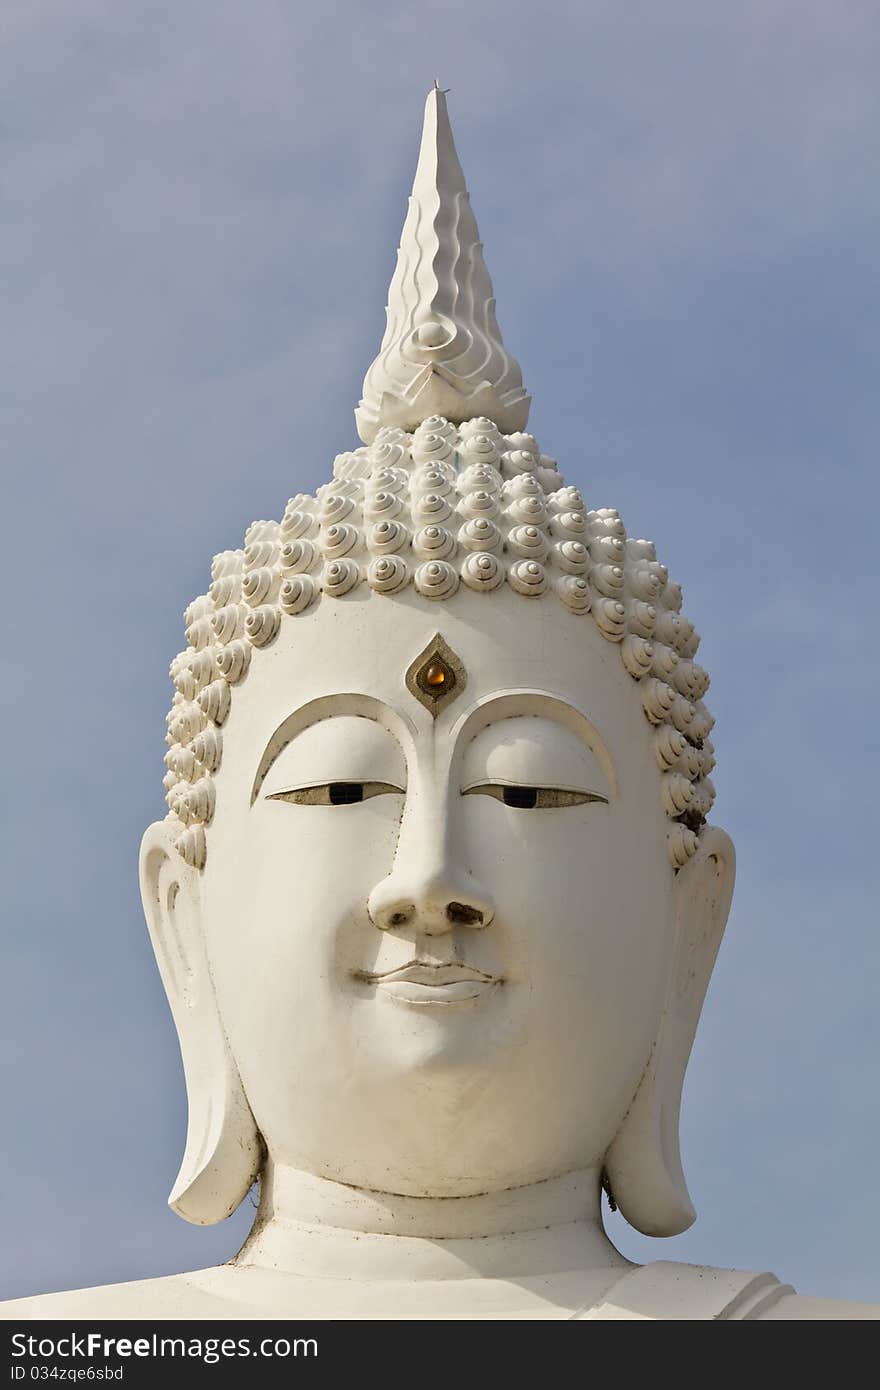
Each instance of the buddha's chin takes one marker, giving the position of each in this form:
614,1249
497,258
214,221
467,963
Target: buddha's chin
438,1108
460,1029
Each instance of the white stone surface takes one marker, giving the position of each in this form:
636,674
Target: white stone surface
547,704
440,972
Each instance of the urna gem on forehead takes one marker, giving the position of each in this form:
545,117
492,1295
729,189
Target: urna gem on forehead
447,490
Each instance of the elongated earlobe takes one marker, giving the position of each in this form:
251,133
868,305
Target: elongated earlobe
223,1149
643,1164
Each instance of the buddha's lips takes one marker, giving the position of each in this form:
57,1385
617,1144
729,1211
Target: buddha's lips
418,972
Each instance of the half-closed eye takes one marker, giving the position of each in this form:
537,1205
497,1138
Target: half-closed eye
529,798
335,793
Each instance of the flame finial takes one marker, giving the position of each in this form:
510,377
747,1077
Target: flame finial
442,352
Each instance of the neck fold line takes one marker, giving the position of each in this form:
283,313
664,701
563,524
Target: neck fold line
292,1195
313,1227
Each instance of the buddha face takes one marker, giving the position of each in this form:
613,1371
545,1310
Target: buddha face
439,938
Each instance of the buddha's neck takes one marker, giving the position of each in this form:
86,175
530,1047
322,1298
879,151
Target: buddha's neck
310,1226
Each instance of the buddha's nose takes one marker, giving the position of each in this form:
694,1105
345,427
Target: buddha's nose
428,890
431,903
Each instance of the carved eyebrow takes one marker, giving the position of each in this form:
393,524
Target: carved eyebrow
513,703
330,707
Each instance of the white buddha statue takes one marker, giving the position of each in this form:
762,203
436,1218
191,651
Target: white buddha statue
436,903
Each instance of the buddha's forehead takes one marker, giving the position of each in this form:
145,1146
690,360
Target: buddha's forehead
365,646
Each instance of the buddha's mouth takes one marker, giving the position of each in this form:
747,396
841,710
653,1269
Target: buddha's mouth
424,983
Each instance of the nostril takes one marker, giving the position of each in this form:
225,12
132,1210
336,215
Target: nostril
460,912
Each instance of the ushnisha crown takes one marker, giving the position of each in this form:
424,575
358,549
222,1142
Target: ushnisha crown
438,500
442,352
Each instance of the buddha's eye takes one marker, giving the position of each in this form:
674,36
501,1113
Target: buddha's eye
335,793
533,798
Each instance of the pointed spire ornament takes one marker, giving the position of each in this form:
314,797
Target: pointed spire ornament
442,352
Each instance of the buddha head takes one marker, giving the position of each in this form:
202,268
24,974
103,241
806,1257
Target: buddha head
436,902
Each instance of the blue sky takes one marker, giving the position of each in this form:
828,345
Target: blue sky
679,204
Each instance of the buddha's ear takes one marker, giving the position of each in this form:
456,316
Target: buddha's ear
643,1165
223,1149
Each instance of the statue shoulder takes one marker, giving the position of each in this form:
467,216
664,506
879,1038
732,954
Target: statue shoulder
802,1307
665,1290
170,1297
